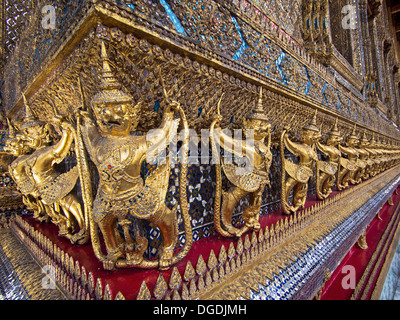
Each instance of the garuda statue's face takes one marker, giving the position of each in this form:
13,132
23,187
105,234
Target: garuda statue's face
333,140
16,146
37,136
114,118
261,128
310,137
363,144
351,142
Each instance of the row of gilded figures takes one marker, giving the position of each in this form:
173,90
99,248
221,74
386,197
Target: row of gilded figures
46,191
101,133
345,163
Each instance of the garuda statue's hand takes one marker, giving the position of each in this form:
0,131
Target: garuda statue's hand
217,118
175,106
82,113
58,119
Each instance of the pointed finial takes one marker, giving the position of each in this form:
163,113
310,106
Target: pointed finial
30,117
166,96
219,104
11,129
364,136
160,288
104,57
335,126
335,131
315,117
144,292
353,134
312,126
109,85
108,80
259,113
260,102
175,280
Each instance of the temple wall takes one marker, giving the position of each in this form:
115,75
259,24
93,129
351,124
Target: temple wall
296,51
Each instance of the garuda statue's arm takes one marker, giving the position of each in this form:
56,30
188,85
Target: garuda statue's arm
293,147
243,151
62,147
157,139
343,150
56,153
90,133
235,146
322,148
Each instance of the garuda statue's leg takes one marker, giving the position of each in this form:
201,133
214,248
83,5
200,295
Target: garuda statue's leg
166,220
326,183
252,214
343,179
290,185
229,201
299,196
108,227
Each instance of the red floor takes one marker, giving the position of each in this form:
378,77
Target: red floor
359,258
128,281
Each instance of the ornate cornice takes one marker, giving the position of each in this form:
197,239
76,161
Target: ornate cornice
145,28
341,65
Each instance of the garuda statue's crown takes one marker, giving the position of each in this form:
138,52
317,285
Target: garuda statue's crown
30,118
259,113
312,126
372,141
364,137
110,88
335,131
353,134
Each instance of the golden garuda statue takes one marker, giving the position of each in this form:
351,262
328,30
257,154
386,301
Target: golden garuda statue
326,170
15,146
248,179
373,162
380,156
348,162
46,190
295,176
123,196
363,161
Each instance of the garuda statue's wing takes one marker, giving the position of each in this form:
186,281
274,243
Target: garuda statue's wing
249,182
152,194
57,189
329,168
349,165
297,172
